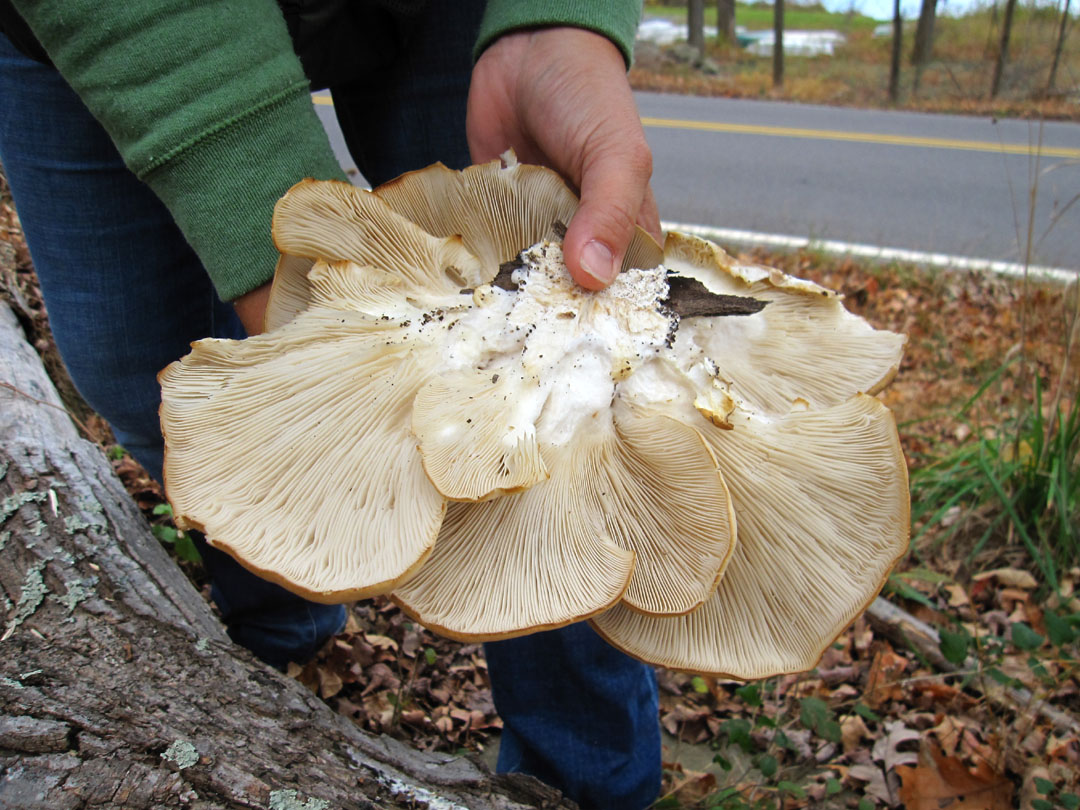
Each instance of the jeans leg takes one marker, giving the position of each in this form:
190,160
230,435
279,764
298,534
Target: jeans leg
576,712
413,113
125,294
579,715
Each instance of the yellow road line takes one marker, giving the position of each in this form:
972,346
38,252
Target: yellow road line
841,135
864,137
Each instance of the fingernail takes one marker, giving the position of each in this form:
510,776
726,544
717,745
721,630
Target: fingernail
598,262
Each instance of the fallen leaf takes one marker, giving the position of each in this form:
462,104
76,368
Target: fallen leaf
940,692
958,597
799,740
330,683
948,732
687,723
885,670
852,732
462,715
887,749
1011,577
862,635
381,642
381,676
940,782
1011,594
414,717
1034,742
352,624
379,709
1067,750
973,747
411,642
876,786
695,786
845,691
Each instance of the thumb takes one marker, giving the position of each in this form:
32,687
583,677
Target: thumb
614,186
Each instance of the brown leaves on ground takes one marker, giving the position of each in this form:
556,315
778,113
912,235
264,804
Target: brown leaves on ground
392,676
905,734
877,723
941,782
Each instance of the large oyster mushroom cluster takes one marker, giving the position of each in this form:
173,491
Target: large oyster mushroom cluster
692,458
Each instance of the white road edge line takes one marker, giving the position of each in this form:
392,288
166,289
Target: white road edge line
874,252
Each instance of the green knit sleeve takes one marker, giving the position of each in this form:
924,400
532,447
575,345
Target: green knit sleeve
615,19
207,103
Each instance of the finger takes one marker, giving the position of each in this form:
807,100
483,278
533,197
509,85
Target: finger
614,187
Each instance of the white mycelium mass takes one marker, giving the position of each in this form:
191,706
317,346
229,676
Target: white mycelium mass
556,350
578,344
505,452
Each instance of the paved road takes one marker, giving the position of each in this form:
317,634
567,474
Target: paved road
951,184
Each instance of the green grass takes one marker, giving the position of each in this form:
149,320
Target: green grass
1019,484
757,17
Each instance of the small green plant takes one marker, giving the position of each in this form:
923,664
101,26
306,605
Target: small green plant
763,752
1018,483
1050,659
181,544
1051,798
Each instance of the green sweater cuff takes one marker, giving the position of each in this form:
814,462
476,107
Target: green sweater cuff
240,255
615,19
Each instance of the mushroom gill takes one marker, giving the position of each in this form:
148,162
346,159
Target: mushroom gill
690,457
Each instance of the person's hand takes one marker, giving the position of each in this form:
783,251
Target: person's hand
251,308
559,97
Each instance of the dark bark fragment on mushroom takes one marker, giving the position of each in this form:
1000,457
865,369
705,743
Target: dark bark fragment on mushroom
689,298
118,687
503,278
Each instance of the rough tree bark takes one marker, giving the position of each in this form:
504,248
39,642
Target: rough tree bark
924,41
778,44
1062,28
897,46
695,26
118,688
725,21
1003,48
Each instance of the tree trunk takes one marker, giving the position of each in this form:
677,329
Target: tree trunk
725,21
1057,49
897,47
924,40
695,20
1003,48
118,687
778,44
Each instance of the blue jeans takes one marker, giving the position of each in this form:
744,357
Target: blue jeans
126,296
